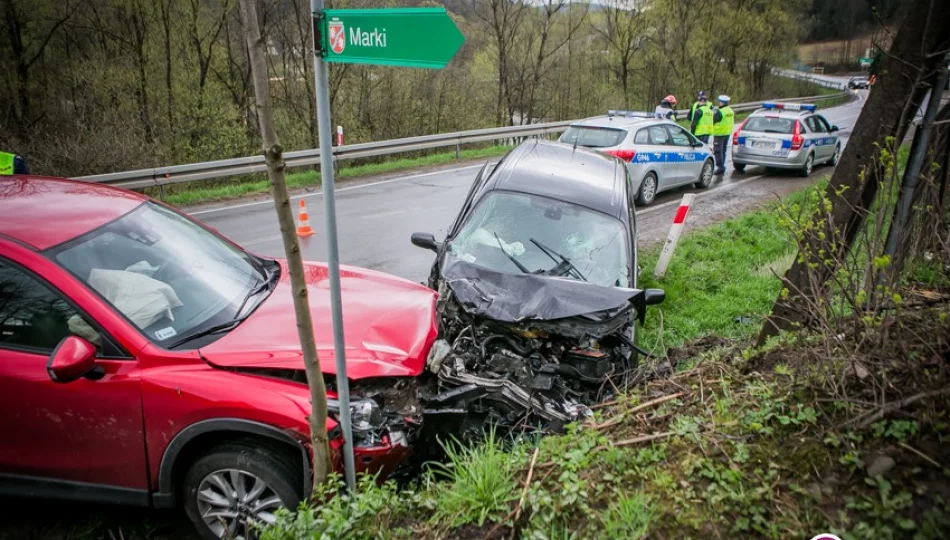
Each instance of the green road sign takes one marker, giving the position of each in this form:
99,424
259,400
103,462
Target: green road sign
408,37
866,61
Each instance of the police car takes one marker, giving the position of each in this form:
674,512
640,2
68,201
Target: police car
786,136
658,153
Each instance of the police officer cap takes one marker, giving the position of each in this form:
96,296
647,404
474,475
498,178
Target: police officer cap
701,95
724,98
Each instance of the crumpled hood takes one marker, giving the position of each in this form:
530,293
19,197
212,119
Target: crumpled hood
513,298
389,324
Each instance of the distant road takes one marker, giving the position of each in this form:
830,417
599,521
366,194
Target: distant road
376,218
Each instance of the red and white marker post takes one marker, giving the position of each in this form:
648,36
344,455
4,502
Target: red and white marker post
339,135
679,221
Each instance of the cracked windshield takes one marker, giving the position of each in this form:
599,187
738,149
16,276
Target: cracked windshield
512,232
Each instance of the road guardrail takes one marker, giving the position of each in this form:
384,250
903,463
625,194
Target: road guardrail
194,172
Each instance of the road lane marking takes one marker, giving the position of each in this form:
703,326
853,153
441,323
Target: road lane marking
724,187
338,190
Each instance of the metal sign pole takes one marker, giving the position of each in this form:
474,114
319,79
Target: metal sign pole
325,135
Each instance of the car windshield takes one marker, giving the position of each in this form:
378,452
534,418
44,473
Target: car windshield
593,137
769,124
515,232
167,275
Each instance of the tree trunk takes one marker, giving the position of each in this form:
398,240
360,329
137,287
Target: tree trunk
273,154
854,184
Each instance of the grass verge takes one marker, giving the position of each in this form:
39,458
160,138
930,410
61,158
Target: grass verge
788,440
228,190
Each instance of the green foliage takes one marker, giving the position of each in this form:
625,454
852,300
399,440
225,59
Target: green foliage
479,483
629,517
342,515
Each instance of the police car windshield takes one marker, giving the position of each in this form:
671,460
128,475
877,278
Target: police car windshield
767,124
510,232
593,137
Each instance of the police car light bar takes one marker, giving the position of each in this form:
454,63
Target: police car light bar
629,114
790,106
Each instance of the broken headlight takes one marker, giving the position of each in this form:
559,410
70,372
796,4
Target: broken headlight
365,417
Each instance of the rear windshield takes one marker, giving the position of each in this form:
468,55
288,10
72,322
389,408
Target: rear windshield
767,124
593,137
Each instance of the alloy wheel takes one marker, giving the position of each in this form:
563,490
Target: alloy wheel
649,189
231,501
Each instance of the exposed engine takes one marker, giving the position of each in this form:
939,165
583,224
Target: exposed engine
526,376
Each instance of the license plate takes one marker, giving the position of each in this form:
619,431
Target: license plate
763,144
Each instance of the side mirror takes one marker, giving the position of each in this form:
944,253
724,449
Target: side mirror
73,359
425,241
653,297
834,129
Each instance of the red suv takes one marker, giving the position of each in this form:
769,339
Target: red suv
146,360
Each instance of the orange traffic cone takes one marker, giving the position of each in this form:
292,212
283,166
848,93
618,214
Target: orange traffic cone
303,221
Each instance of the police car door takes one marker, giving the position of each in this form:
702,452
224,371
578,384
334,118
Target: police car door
661,157
688,161
816,138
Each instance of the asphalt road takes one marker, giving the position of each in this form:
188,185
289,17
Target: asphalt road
377,217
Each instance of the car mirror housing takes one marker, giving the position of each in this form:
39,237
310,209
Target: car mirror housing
425,241
834,129
653,297
73,359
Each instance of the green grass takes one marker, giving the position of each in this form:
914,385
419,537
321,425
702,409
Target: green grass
195,194
716,275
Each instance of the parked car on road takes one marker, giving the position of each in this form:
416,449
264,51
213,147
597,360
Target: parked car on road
659,154
862,82
537,282
786,136
146,360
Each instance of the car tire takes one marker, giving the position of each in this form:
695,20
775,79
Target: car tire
241,467
705,175
833,162
806,169
739,167
648,187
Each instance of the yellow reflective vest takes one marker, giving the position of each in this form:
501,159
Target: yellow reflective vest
725,125
7,162
704,126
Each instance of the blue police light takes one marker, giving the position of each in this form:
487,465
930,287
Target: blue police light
790,106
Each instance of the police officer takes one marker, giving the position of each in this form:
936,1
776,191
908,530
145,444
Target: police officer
665,109
724,119
700,98
701,118
12,164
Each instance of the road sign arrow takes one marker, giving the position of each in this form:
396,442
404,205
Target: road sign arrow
407,37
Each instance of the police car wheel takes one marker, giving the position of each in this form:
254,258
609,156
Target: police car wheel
809,165
835,157
647,192
705,176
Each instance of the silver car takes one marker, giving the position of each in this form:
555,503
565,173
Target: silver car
659,154
786,136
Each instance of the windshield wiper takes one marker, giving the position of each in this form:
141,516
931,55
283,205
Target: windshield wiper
501,246
206,332
548,251
262,286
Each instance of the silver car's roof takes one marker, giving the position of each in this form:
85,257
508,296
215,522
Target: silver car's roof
621,122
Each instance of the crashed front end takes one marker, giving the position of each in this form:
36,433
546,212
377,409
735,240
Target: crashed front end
526,352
